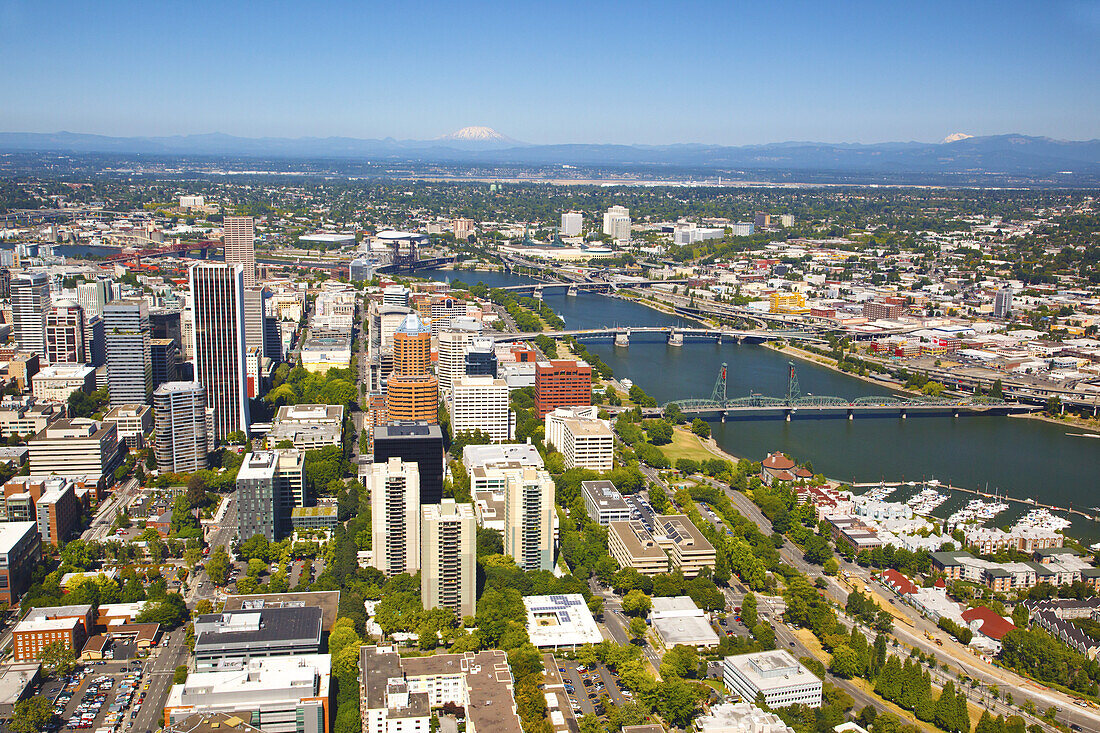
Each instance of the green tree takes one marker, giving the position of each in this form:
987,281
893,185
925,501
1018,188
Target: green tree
636,603
701,428
659,432
748,610
57,659
180,675
637,628
31,715
218,567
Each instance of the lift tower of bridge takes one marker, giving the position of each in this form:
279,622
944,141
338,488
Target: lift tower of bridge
718,394
794,392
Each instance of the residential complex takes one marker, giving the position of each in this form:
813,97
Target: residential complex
448,548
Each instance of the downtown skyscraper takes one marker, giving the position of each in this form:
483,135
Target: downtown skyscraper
129,364
218,342
240,246
30,302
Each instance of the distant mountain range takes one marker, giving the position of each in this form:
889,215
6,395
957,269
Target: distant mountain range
958,154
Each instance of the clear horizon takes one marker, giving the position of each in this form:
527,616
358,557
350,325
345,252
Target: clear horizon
640,73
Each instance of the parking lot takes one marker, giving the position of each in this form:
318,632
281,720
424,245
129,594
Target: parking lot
585,688
98,695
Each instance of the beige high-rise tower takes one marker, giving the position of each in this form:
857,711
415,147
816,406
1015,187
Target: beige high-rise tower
240,245
395,516
529,518
447,553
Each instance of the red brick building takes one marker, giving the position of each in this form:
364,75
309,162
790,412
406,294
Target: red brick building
562,383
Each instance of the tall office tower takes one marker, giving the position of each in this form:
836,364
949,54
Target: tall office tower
762,220
562,383
273,341
5,283
412,391
453,342
30,302
129,366
164,355
616,223
256,495
95,341
448,547
395,516
182,423
414,442
1002,303
217,334
481,358
529,512
572,222
240,246
255,318
65,333
395,295
290,487
166,324
93,296
481,403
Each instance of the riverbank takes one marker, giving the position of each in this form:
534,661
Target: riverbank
1070,422
827,363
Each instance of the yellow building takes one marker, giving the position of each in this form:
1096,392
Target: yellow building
788,303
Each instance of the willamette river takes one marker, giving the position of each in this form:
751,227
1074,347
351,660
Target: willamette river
1018,457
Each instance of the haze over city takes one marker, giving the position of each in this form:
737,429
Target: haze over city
650,73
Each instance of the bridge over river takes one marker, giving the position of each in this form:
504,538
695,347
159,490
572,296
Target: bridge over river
795,404
675,335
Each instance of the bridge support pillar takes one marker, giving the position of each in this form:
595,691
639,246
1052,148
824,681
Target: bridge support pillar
622,339
954,413
903,416
787,415
851,415
723,417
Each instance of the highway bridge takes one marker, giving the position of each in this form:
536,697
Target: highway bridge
675,335
795,404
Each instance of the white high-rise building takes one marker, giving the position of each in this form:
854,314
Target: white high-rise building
395,516
572,222
1002,303
529,519
240,246
184,435
93,296
481,403
218,343
453,342
616,223
448,550
30,302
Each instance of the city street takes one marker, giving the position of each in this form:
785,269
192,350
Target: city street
158,675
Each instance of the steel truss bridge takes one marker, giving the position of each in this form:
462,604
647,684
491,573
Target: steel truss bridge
623,335
763,407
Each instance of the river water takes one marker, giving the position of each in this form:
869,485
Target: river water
1018,457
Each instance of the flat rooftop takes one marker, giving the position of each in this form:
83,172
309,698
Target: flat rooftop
560,620
326,600
773,670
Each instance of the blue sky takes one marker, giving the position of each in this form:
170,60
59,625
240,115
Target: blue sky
549,72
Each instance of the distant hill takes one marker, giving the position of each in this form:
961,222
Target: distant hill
997,154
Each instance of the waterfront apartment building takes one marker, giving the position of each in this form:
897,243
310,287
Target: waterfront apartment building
603,503
30,303
572,223
75,447
616,223
562,383
129,362
448,548
529,518
20,551
218,338
240,246
412,391
65,334
184,433
481,403
414,442
395,516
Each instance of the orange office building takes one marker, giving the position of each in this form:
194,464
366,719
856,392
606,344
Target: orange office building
412,391
562,383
